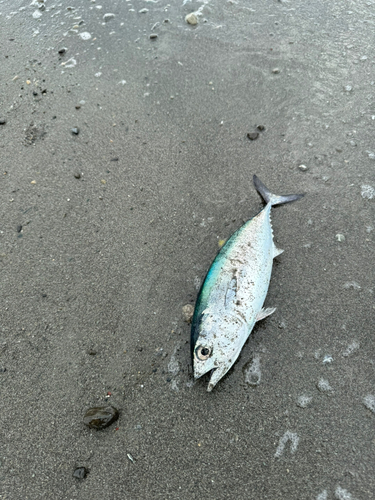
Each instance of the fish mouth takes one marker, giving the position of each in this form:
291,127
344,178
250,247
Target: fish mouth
199,373
217,374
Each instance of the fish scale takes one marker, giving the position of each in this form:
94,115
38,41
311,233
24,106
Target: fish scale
231,298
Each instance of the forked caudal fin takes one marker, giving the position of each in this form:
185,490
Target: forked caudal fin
274,199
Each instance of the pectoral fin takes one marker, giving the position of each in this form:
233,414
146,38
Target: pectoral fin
263,313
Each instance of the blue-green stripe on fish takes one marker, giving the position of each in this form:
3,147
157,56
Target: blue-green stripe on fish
231,298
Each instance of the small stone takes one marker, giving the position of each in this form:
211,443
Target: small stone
276,71
323,386
348,88
367,192
19,228
75,130
85,36
80,472
261,127
62,50
303,401
108,17
340,237
352,285
369,402
153,36
91,352
191,19
35,93
100,417
187,313
303,168
252,136
77,175
78,106
327,359
2,121
2,369
33,182
143,11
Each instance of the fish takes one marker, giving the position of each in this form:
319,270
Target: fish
232,295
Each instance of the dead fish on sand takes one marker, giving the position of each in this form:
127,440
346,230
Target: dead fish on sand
231,298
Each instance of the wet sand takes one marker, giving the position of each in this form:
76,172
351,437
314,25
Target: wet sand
125,162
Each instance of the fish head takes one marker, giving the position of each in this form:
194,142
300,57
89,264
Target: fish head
217,347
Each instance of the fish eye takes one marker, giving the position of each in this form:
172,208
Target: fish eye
203,353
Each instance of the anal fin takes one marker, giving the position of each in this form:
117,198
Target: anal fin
263,313
276,251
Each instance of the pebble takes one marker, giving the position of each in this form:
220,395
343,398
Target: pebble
352,285
303,401
367,192
80,472
340,237
348,88
327,359
77,175
75,130
108,17
19,228
187,313
354,346
261,127
2,121
85,35
100,417
323,386
252,136
62,50
92,352
369,402
191,19
153,36
303,168
276,71
143,11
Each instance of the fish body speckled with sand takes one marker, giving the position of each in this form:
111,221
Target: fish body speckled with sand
231,298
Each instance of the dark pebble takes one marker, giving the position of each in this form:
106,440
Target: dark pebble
153,36
77,175
114,159
35,92
44,295
62,50
261,127
100,417
80,472
75,130
78,106
92,352
19,228
2,121
2,370
252,136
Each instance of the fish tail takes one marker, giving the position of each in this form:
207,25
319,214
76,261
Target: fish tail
274,199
